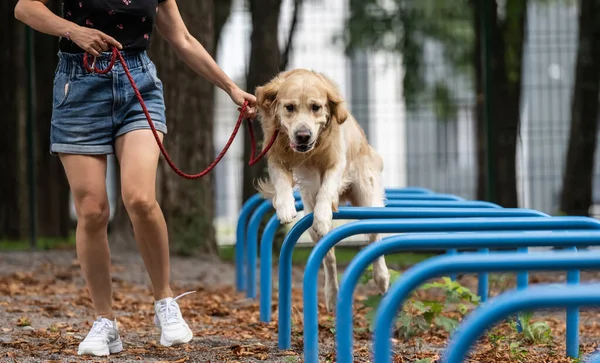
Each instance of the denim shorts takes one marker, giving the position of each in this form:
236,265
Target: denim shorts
91,110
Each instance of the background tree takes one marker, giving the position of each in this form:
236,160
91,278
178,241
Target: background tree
222,10
188,205
264,65
266,60
407,26
12,186
576,196
507,39
174,86
52,186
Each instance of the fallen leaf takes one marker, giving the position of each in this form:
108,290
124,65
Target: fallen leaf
23,321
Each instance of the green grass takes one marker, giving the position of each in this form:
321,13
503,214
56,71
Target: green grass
227,253
343,256
43,243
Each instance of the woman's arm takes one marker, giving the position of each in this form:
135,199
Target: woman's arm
171,26
36,14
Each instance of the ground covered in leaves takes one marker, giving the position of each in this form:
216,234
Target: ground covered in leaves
45,312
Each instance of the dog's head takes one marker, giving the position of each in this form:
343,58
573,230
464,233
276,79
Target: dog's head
303,104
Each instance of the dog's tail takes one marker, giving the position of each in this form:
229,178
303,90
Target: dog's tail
265,187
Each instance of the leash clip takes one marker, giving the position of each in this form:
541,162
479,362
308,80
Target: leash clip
93,63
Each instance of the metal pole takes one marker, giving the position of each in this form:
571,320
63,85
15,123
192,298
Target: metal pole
488,106
31,114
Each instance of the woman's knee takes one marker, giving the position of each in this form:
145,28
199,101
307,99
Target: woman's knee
93,212
139,204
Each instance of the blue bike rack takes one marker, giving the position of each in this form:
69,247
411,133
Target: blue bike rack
398,198
246,211
592,358
399,202
395,225
266,245
443,240
240,237
251,245
498,239
432,196
416,190
543,296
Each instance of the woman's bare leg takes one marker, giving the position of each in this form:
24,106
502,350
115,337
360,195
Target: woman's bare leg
138,158
87,180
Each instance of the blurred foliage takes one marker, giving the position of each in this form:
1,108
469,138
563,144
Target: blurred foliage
445,107
405,27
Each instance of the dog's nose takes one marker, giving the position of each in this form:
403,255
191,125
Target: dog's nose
302,136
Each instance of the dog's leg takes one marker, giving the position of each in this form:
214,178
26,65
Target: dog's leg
331,281
372,195
330,268
381,274
329,264
327,197
283,200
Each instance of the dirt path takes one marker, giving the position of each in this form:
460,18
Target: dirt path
45,312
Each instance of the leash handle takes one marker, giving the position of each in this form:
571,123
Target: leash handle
116,55
94,69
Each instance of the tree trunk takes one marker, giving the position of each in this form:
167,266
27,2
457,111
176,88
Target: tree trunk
480,141
11,104
288,50
52,185
507,39
222,10
264,65
188,205
576,197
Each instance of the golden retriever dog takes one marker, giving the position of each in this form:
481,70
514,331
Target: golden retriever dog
323,150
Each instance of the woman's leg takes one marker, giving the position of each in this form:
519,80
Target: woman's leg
138,159
87,180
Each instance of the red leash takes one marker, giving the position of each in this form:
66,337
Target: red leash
117,55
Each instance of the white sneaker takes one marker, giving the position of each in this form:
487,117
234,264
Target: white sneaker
103,339
174,330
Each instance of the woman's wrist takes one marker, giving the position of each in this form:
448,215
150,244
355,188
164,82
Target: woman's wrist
70,29
229,86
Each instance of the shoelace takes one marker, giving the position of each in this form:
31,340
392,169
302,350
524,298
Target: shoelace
170,310
99,328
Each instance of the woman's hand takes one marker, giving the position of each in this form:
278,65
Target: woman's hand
36,14
239,97
93,41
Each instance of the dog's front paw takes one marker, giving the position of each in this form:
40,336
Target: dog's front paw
331,292
382,280
322,220
286,212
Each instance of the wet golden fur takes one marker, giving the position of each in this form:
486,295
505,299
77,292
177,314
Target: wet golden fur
341,166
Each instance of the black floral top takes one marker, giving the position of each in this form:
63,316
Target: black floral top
130,22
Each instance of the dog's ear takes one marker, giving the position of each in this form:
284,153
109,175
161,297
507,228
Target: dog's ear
266,95
337,107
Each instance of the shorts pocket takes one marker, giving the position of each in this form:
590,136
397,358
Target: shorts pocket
152,75
62,89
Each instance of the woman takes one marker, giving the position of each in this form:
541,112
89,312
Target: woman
95,115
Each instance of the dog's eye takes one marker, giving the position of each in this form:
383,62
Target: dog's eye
316,107
289,108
